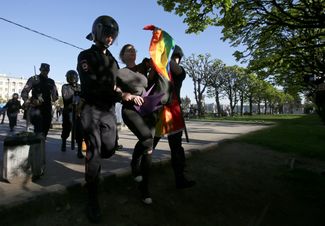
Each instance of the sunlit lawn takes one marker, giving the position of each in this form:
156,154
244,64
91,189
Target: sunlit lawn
303,135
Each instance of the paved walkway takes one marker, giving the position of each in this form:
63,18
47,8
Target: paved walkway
64,169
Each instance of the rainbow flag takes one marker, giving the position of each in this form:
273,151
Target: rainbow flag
161,48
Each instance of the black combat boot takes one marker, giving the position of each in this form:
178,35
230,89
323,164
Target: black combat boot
93,209
63,145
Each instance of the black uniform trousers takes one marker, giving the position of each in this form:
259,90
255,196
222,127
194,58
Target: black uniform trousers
12,119
41,118
99,131
177,152
67,126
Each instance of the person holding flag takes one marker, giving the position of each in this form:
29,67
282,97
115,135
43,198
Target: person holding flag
165,57
175,138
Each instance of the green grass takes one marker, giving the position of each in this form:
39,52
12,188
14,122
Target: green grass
302,135
296,134
254,118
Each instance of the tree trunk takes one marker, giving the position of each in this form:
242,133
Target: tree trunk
218,103
250,105
241,104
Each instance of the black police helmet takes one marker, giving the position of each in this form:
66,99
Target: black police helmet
72,77
178,52
104,26
44,67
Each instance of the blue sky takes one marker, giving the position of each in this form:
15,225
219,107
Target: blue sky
71,21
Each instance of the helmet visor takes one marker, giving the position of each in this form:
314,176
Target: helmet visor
110,31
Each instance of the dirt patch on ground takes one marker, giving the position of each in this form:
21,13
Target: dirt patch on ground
243,155
264,187
237,184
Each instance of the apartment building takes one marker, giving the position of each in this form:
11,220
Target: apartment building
11,84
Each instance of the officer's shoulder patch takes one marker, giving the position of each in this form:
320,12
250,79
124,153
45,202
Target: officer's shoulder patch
84,65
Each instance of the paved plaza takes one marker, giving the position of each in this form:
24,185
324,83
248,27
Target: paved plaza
64,169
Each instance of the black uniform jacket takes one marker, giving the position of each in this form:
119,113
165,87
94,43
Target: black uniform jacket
97,72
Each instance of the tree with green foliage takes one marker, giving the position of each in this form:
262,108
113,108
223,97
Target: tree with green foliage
283,99
231,85
199,68
185,104
282,39
243,84
252,90
198,14
216,82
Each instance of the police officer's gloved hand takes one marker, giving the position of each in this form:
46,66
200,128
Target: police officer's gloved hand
40,99
36,102
26,104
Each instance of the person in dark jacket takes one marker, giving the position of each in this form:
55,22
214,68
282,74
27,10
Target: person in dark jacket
132,80
97,70
175,139
3,114
39,105
70,95
12,107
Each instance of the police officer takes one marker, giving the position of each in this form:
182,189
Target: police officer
70,96
12,106
44,92
175,139
97,70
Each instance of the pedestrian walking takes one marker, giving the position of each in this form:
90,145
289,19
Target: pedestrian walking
12,107
2,113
